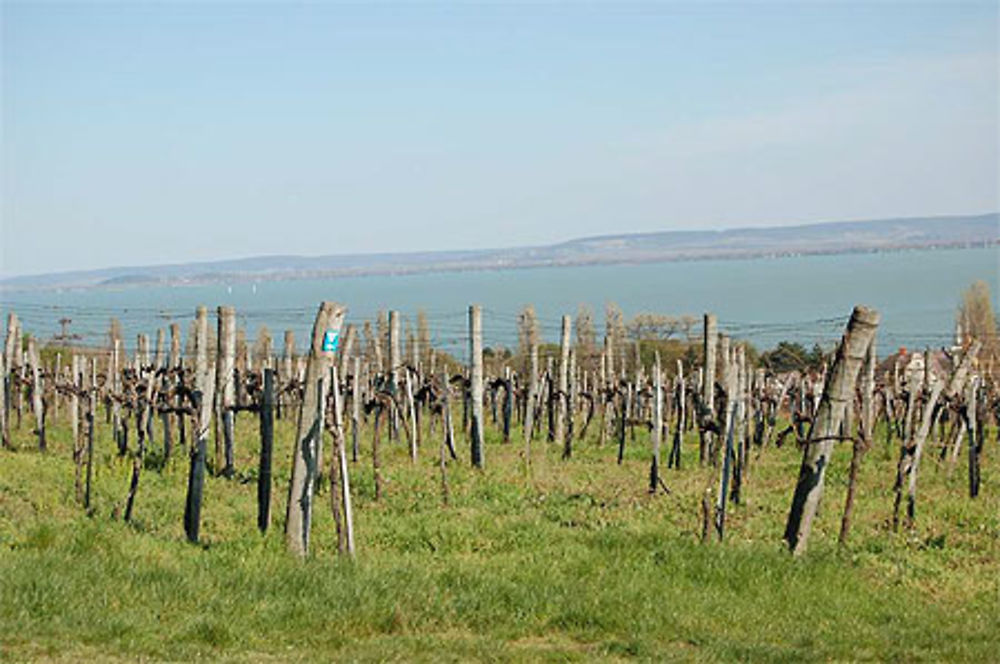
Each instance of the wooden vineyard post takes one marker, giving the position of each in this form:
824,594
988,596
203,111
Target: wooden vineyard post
11,354
446,435
114,384
266,452
305,461
346,349
910,461
53,404
531,405
411,414
476,387
338,468
4,404
657,429
37,404
507,410
725,364
74,425
623,411
727,463
356,408
395,362
225,391
607,380
737,390
89,418
202,406
174,364
18,364
674,460
287,371
973,433
708,385
705,440
825,429
863,440
562,407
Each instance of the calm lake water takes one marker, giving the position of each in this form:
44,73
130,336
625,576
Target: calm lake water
803,298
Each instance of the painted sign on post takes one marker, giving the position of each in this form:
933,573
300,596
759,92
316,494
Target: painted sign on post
331,340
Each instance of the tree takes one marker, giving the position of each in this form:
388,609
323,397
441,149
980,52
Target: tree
792,356
423,335
978,322
648,327
614,331
382,330
586,338
527,335
262,348
116,331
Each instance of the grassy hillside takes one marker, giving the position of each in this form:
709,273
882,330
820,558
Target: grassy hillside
572,561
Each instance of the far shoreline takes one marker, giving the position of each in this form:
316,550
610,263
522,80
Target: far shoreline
129,282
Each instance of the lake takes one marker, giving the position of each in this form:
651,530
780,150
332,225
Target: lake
802,298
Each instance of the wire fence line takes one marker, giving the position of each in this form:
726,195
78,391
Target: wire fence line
89,326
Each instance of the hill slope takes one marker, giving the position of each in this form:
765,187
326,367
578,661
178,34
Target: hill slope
831,237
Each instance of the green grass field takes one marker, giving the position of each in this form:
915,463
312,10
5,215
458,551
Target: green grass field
572,561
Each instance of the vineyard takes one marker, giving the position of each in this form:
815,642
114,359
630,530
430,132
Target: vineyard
375,495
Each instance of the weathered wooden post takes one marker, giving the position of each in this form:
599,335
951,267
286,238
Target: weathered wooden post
864,437
447,435
4,404
706,441
338,468
37,404
562,409
174,364
347,349
974,432
726,366
358,388
411,414
711,336
476,387
532,400
225,390
508,403
266,452
909,462
287,373
657,429
7,378
89,417
826,425
202,397
727,461
395,362
56,396
674,460
305,461
623,411
74,426
739,391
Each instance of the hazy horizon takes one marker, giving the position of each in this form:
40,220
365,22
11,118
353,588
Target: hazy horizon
158,134
209,261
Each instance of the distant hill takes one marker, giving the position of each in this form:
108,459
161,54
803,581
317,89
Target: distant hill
831,237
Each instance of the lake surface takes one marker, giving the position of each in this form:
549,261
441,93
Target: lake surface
803,298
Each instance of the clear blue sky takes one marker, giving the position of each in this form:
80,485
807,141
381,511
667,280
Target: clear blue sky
169,132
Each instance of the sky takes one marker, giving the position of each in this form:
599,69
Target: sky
148,133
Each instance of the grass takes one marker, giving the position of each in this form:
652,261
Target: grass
573,561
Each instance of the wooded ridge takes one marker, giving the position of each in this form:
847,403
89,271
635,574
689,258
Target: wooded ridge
822,238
